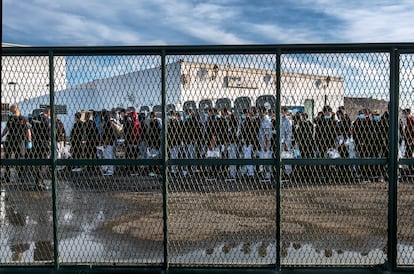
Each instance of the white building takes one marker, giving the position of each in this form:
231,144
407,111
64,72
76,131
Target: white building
198,82
185,82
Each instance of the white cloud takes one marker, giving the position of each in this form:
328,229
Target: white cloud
130,22
204,21
285,36
370,21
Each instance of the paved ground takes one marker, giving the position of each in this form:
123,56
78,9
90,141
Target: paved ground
119,219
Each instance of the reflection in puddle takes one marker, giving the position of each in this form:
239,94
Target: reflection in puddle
265,253
83,239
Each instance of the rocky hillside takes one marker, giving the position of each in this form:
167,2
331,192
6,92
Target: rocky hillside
353,104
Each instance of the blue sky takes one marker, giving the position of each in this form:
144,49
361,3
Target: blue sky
210,22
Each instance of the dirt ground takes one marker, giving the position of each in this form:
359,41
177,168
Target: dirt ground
342,217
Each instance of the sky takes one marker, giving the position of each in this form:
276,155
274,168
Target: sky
210,22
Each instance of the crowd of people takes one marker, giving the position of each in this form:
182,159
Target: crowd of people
219,133
210,133
30,138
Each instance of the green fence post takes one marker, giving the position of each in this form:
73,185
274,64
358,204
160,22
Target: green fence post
393,160
53,159
277,172
164,158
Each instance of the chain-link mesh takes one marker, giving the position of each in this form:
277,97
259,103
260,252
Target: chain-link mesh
118,208
26,217
335,214
219,214
218,144
406,175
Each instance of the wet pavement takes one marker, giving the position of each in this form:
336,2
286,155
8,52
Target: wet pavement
118,220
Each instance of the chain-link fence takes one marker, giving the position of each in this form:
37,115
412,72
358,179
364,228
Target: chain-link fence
243,157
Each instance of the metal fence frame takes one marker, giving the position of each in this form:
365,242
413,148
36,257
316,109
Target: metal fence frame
393,49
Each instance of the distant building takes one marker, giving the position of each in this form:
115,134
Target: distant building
200,84
188,84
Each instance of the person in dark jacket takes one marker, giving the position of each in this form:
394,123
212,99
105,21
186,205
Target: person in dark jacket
379,145
42,145
77,138
326,132
344,130
174,138
191,134
248,133
153,134
361,131
305,137
60,138
91,137
19,139
109,138
231,140
326,135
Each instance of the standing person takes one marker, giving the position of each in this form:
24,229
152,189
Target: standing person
91,136
132,133
361,130
326,131
154,141
326,134
306,145
249,131
77,138
286,138
305,137
344,130
214,130
45,133
286,130
109,137
274,118
265,138
60,137
220,126
208,131
191,134
42,145
230,140
211,131
143,143
19,139
379,141
174,137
